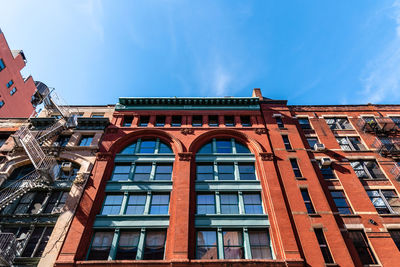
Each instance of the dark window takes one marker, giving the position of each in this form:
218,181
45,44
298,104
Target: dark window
159,204
295,168
121,172
341,202
2,66
127,121
142,172
338,123
176,121
233,245
205,171
385,201
127,245
154,245
86,140
205,204
112,205
286,142
10,83
252,203
229,120
361,244
3,139
207,245
260,244
226,171
245,120
136,204
197,120
350,143
229,203
21,172
37,203
213,120
144,121
304,123
367,169
163,172
160,121
247,171
312,141
224,146
327,171
307,201
37,242
279,122
395,234
323,245
62,140
56,202
101,246
24,203
13,91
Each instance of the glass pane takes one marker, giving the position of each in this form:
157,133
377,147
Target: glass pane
101,246
206,199
207,245
147,146
241,148
233,245
206,149
129,149
163,172
224,146
164,149
154,245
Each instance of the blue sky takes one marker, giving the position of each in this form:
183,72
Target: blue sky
308,52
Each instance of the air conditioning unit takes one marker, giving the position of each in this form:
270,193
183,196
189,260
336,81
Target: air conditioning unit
66,166
277,115
326,161
319,147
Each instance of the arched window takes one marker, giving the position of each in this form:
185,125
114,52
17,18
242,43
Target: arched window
224,146
147,146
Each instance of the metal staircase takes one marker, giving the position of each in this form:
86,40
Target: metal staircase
8,246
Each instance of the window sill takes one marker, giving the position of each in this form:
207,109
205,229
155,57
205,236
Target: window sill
331,264
315,215
349,215
371,180
301,178
291,150
390,215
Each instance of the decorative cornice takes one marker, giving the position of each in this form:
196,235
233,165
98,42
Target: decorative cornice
186,131
103,156
185,156
260,130
266,156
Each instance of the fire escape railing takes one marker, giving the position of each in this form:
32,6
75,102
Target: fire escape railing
378,125
387,146
8,248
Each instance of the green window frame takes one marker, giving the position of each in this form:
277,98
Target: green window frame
136,204
159,204
112,204
206,203
146,146
229,203
127,247
233,244
121,172
252,203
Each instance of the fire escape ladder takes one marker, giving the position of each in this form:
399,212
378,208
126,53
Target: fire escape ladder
8,248
53,130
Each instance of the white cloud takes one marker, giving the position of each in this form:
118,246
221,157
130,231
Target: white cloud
222,81
381,77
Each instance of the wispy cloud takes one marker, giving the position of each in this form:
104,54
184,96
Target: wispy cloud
222,80
381,77
93,10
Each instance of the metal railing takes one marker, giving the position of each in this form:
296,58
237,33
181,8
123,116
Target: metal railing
377,125
51,131
8,248
396,171
388,146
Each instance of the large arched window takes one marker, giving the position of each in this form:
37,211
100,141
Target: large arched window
147,146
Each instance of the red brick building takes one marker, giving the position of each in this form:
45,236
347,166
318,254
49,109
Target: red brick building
238,181
15,91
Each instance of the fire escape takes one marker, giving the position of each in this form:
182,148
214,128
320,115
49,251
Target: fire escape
386,139
46,167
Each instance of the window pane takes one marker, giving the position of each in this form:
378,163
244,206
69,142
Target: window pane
154,245
136,204
129,149
395,234
164,149
260,245
142,172
112,205
229,204
163,172
101,245
197,120
43,242
362,247
247,171
226,172
312,141
33,242
206,204
127,246
233,245
206,149
207,245
159,204
224,146
241,149
205,171
121,172
147,146
252,204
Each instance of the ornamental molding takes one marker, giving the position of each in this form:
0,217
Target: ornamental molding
266,156
185,156
260,131
186,131
103,156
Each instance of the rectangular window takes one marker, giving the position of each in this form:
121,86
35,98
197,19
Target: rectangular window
163,172
197,120
395,234
327,171
307,201
350,143
229,120
37,242
323,245
229,203
295,167
360,242
160,121
207,247
144,121
101,246
279,122
154,245
247,171
86,140
127,121
205,204
121,172
252,203
385,201
233,245
136,204
226,171
62,140
142,172
127,245
367,169
159,204
213,120
286,142
112,205
2,66
176,121
245,120
338,123
304,123
205,171
260,244
13,91
312,141
341,202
